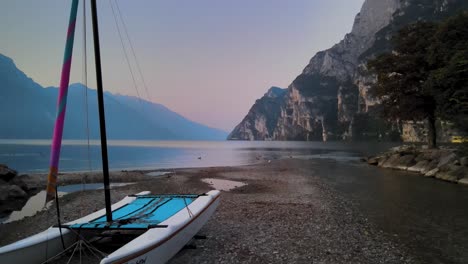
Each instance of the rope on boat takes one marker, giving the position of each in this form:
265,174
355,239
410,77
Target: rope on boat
188,209
78,244
58,217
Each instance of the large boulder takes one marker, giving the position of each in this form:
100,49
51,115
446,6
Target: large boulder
405,161
452,173
431,173
7,174
18,181
12,192
391,162
421,166
447,159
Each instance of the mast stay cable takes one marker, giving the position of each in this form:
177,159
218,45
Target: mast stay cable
125,53
133,50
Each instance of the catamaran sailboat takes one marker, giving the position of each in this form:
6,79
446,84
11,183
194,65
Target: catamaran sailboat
158,225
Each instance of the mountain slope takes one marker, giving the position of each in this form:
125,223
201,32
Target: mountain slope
27,110
329,100
261,117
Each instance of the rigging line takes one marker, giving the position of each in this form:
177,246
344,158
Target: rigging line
125,53
85,79
58,218
74,250
86,106
133,50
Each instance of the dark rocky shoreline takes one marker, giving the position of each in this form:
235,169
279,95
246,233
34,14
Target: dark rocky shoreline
445,163
15,189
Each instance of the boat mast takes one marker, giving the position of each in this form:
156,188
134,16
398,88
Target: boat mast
61,107
102,121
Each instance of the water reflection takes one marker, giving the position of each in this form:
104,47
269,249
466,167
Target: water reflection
427,216
35,203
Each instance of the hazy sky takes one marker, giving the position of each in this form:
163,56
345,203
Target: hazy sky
208,60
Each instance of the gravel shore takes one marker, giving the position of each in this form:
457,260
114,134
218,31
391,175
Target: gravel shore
285,214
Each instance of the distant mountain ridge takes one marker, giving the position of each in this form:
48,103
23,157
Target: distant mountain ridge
27,111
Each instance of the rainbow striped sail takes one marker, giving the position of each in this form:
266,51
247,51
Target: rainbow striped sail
61,106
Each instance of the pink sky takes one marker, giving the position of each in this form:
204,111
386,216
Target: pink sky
208,60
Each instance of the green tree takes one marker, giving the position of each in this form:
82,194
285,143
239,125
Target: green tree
426,75
448,58
402,75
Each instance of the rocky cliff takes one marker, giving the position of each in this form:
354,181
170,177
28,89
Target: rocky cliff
329,100
260,122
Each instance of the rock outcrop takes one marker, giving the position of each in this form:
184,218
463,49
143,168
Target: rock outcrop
330,99
444,164
14,191
259,122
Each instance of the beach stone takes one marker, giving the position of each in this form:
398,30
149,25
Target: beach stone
420,166
6,174
432,173
444,160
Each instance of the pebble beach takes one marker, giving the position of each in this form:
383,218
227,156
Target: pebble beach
275,212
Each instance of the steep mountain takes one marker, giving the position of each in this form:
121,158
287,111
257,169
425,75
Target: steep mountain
259,122
27,110
329,100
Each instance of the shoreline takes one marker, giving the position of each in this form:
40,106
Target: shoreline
285,213
447,164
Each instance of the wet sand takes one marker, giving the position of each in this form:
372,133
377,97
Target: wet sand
285,214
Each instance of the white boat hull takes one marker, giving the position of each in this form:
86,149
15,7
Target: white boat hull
156,245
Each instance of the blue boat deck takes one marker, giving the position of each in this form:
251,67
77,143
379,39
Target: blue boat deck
145,212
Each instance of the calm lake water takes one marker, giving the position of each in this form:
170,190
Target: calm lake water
427,216
33,155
